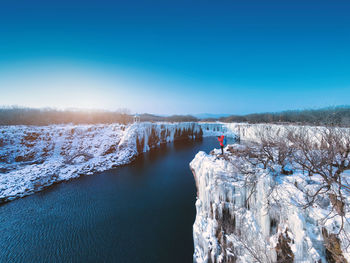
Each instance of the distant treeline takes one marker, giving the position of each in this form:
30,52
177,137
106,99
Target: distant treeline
173,118
338,116
28,116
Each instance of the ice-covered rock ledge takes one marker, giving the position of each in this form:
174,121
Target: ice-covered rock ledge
34,157
259,218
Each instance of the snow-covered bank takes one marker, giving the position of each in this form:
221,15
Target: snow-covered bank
252,132
260,217
33,157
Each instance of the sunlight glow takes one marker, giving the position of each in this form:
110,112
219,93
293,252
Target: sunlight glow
62,87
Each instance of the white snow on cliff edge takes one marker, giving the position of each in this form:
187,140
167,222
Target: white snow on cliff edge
33,157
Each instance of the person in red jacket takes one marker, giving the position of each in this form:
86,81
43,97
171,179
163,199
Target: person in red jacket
221,140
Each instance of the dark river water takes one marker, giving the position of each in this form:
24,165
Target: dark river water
142,212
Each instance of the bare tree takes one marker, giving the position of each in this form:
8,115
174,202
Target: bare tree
271,151
324,152
327,155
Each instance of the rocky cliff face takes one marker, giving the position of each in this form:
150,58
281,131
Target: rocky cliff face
260,217
33,157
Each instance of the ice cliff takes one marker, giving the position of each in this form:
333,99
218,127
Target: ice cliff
218,129
261,217
252,132
33,157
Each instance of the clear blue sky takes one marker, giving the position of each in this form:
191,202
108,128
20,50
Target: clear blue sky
176,57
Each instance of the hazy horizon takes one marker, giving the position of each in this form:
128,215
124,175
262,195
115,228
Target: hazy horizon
201,115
